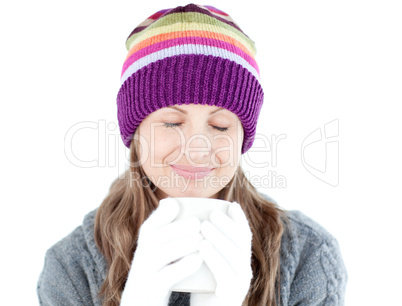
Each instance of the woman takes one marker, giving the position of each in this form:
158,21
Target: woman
188,107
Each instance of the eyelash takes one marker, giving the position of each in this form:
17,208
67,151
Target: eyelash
168,125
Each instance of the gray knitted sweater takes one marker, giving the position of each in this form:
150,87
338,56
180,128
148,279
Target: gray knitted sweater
312,268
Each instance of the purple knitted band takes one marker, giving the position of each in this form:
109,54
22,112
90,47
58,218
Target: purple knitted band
185,79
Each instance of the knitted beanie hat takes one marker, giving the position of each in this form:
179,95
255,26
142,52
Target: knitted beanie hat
189,54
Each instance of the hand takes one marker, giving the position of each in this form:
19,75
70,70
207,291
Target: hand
160,243
226,250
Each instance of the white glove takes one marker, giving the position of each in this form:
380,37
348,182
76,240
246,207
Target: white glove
226,250
160,243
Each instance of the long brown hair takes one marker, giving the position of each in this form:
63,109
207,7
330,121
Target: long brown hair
131,200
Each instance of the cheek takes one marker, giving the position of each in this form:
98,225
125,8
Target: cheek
233,139
162,142
166,138
158,137
228,150
153,143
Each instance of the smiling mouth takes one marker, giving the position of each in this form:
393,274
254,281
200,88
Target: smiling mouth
192,172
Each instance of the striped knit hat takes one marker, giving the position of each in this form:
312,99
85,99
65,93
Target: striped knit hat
189,54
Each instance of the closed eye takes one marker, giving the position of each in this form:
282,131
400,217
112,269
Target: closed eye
168,125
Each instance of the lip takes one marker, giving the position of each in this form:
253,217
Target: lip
192,172
193,169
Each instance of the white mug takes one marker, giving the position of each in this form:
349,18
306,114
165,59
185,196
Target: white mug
203,280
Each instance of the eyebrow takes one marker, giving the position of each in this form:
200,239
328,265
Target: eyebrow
184,112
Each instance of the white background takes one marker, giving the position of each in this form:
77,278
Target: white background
320,61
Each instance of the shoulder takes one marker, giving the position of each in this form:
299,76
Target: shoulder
312,268
78,246
67,248
70,274
305,231
300,228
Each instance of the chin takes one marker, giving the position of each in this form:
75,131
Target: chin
193,193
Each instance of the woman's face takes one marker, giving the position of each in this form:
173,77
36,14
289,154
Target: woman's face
190,136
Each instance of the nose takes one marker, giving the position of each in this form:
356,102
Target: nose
197,148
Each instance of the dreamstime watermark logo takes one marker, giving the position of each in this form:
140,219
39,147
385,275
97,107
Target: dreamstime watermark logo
325,148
